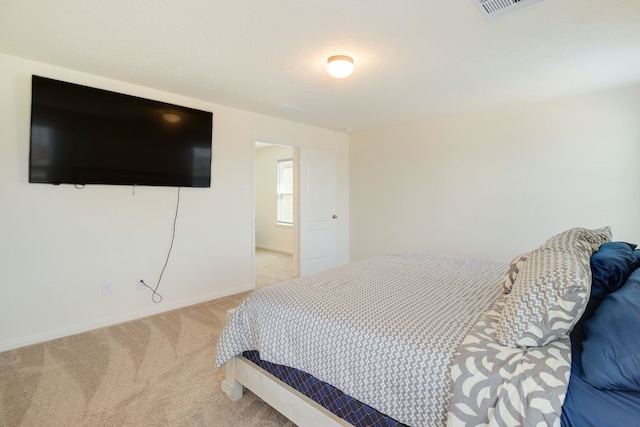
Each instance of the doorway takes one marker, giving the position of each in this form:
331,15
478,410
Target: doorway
276,223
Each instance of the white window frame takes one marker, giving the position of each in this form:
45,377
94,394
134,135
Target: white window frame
284,191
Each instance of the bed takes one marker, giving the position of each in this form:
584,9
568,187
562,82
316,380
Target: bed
425,340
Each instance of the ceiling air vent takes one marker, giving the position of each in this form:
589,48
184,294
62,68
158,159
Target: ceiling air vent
491,9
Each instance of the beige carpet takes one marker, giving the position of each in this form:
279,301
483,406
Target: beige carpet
272,267
156,371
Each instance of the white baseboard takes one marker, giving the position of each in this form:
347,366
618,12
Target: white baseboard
273,249
114,320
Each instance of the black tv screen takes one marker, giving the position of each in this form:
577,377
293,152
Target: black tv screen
83,135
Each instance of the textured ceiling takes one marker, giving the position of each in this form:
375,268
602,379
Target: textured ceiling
415,59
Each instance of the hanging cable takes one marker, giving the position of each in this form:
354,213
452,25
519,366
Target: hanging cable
156,297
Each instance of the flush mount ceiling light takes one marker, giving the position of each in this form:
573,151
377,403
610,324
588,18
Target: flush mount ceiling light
340,66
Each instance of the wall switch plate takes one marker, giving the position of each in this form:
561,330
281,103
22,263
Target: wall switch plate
106,289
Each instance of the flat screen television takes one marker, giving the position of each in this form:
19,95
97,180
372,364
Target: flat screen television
82,135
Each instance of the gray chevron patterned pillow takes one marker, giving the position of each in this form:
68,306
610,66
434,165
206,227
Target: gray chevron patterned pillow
577,239
514,267
551,289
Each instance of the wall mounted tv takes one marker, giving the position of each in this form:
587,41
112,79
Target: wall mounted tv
82,135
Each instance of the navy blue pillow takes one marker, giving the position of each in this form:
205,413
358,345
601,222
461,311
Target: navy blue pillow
611,350
611,265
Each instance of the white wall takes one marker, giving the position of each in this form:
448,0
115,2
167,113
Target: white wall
58,244
496,183
269,235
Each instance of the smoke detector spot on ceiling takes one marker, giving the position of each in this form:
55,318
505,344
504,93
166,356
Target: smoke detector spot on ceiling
491,9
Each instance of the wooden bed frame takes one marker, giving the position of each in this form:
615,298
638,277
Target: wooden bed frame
294,405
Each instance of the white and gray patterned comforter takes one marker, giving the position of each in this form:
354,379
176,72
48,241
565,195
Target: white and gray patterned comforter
383,330
499,386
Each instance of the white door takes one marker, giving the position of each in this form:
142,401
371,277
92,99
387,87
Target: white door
318,216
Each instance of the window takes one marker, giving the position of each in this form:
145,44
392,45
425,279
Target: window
284,189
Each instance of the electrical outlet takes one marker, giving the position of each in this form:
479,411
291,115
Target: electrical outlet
141,286
106,289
